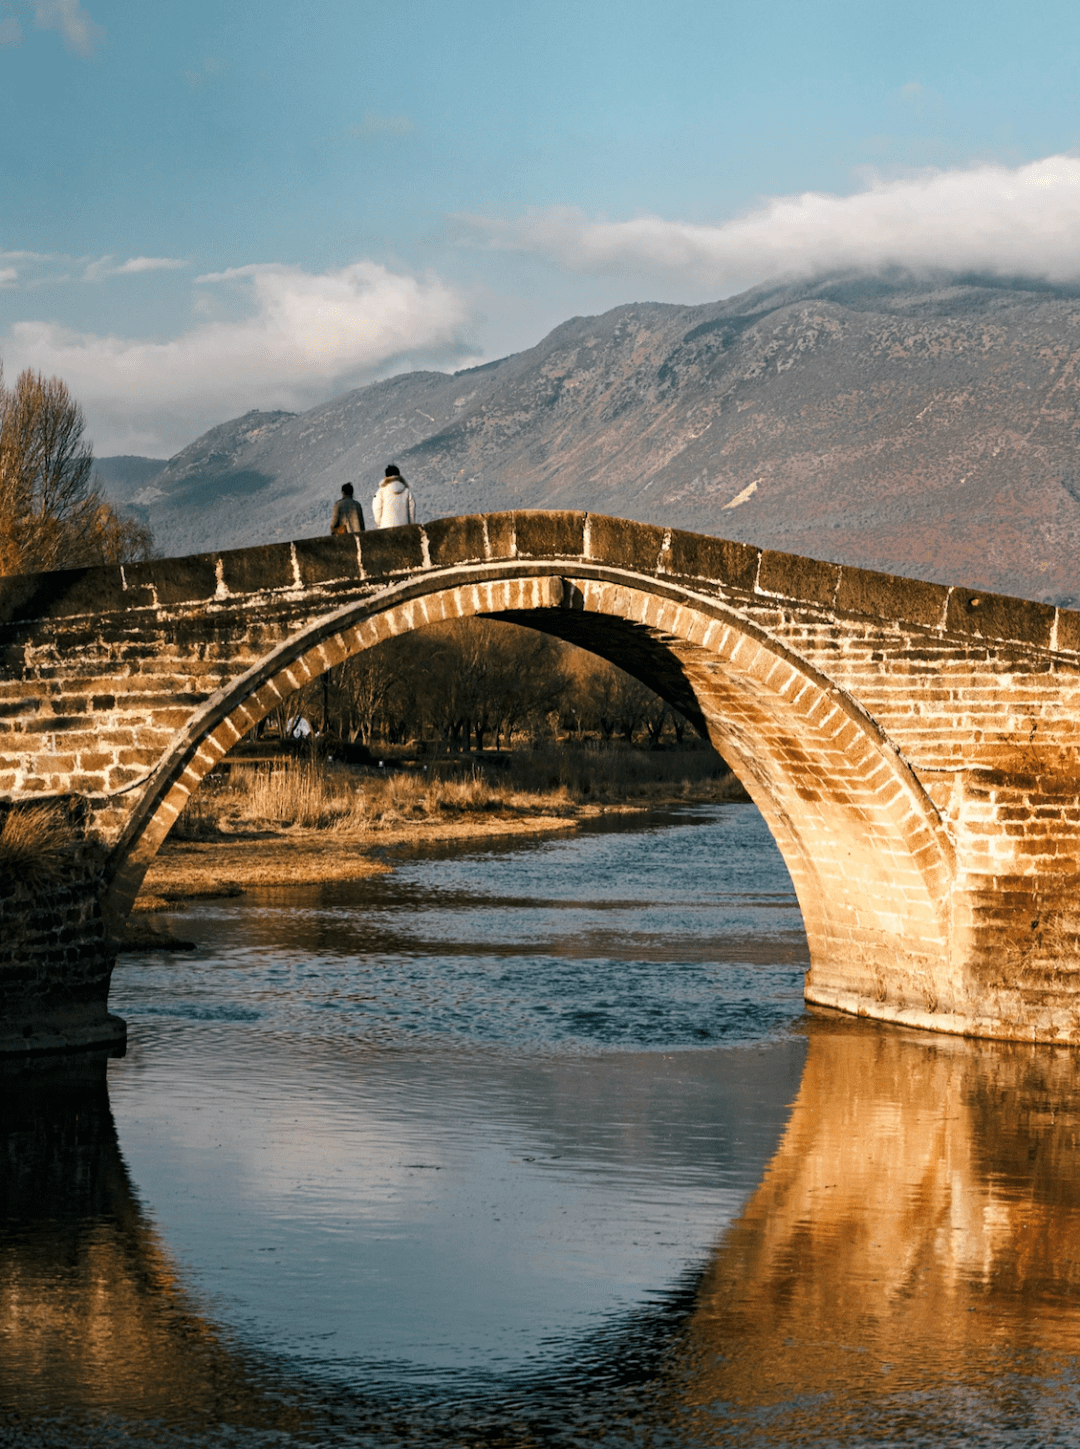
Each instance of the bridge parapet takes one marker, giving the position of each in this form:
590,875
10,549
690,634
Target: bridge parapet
914,746
328,567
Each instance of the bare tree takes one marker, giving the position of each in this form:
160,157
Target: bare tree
655,719
600,688
362,688
484,677
528,680
117,538
51,514
468,680
613,702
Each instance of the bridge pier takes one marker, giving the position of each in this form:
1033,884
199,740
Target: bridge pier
914,748
56,960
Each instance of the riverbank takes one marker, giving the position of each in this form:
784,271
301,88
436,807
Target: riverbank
307,823
187,870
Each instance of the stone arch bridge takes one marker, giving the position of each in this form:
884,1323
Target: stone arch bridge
914,748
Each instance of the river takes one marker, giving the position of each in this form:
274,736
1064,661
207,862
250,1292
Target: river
529,1144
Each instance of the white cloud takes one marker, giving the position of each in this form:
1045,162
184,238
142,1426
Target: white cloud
103,267
32,270
148,264
307,337
28,269
36,269
11,32
1023,220
74,24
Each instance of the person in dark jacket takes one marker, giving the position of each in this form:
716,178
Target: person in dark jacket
348,515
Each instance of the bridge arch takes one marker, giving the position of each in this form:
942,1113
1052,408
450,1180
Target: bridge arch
869,858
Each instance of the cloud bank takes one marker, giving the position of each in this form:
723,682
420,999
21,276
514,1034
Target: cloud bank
1010,221
305,337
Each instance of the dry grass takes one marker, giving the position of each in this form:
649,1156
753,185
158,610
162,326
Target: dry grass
35,842
308,795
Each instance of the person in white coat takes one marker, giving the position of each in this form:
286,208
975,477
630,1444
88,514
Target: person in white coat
393,504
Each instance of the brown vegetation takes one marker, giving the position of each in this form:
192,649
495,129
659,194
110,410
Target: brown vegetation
51,514
266,825
35,841
305,795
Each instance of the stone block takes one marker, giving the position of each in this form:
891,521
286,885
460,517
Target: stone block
11,708
63,593
886,596
996,616
80,784
175,580
138,757
257,570
804,579
550,535
93,761
500,535
718,560
622,544
57,764
453,541
123,775
386,552
323,560
1068,630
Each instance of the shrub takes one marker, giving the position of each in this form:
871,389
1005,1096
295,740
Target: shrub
35,843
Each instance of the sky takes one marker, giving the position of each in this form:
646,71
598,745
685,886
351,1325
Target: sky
208,208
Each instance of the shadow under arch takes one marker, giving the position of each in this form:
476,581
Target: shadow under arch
869,858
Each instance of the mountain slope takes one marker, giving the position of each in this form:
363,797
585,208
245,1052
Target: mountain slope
926,428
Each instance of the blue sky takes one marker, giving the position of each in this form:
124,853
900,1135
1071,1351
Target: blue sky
208,208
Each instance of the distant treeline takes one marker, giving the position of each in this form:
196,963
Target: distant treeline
480,683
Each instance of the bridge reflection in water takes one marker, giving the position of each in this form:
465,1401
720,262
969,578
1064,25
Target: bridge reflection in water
909,1263
906,1269
93,1318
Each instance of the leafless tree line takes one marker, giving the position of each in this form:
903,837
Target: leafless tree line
52,515
477,684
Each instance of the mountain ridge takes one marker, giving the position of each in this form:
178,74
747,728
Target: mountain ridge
922,426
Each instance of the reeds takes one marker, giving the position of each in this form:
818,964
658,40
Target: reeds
309,795
35,843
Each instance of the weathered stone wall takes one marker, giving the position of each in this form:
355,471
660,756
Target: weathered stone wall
915,748
56,959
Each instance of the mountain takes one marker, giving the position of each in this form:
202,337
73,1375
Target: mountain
122,478
927,427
